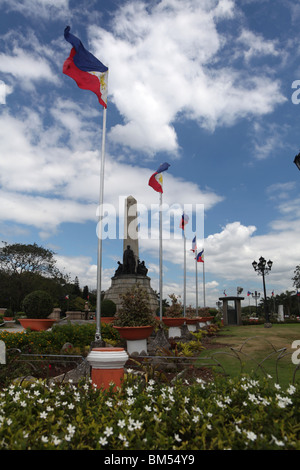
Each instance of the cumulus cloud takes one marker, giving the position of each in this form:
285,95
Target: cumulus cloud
158,85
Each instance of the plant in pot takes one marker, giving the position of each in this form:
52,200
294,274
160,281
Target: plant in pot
174,313
135,320
37,306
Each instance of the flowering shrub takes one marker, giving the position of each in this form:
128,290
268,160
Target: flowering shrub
135,308
237,414
176,308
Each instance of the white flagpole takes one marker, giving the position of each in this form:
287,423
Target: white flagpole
204,285
160,258
99,261
184,280
196,282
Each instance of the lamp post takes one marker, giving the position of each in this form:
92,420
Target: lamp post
256,296
262,269
297,161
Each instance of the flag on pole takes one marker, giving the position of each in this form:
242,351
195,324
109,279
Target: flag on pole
200,257
224,292
87,71
272,293
248,293
156,180
184,220
194,244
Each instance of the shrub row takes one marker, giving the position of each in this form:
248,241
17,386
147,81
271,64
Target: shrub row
239,414
46,342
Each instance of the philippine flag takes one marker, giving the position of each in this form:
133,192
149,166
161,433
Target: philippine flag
200,257
184,220
194,244
87,71
156,180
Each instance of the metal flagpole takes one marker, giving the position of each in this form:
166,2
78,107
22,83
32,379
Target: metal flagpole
203,284
160,258
184,285
99,261
196,282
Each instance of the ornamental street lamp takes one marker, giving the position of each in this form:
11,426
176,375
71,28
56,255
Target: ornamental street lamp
256,296
297,161
262,269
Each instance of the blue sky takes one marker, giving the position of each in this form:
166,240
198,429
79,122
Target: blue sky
208,86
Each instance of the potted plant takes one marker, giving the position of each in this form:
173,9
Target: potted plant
135,320
174,316
37,306
8,315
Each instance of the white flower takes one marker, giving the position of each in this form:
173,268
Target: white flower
291,390
56,441
43,415
148,408
71,406
278,443
108,431
44,439
121,423
129,391
177,438
251,435
195,419
71,429
209,427
109,403
23,403
68,437
277,386
103,441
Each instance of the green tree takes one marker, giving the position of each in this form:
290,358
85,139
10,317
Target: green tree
296,278
26,268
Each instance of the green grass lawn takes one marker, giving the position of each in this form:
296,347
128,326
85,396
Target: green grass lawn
255,349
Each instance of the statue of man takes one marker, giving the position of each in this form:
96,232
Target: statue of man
128,261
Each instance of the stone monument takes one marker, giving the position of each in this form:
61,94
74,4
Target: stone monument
132,270
232,310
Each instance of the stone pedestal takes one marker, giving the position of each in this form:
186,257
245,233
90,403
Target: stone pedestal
120,285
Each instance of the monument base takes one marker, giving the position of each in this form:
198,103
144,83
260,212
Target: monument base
120,285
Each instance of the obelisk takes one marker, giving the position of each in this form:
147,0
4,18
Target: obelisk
132,270
131,227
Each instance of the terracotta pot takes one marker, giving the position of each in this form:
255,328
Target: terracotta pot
169,321
204,319
37,324
191,321
133,333
8,318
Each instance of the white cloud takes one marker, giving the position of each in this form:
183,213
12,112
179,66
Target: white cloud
47,9
256,45
154,86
